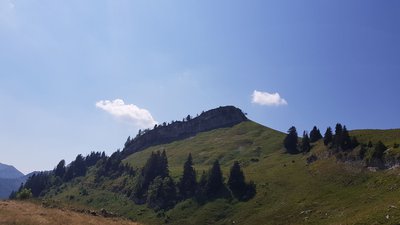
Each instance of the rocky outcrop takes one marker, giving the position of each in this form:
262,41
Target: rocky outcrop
221,117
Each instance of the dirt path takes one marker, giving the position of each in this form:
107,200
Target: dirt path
26,213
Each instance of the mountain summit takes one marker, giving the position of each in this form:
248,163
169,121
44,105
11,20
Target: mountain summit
224,116
9,172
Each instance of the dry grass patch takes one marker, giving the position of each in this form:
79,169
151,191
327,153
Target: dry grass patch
26,213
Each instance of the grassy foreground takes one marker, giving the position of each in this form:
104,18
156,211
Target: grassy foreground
27,213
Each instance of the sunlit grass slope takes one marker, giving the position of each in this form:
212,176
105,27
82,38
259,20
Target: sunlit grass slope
388,137
247,142
289,191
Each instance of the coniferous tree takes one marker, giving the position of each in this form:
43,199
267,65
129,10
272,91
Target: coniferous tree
328,137
236,181
188,183
79,166
69,172
315,135
215,182
128,141
92,158
337,139
38,183
305,142
60,169
161,194
379,150
345,139
154,194
201,191
113,162
290,141
163,165
150,170
138,193
169,192
156,166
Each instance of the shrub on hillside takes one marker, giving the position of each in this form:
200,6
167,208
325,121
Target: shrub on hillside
24,194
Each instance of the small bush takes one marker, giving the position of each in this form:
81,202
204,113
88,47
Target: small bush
24,194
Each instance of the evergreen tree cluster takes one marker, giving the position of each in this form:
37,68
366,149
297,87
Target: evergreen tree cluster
340,143
315,135
156,166
39,183
112,166
79,166
341,140
158,190
291,140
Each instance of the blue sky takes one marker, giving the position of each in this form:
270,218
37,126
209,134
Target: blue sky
329,61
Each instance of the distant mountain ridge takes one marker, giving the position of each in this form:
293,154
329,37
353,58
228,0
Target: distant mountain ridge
224,116
9,172
10,180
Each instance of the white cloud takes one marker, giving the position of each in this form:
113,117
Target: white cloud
269,99
140,118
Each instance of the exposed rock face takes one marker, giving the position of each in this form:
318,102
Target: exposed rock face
221,117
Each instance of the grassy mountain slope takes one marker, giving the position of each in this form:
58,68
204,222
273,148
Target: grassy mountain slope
388,137
247,142
289,191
